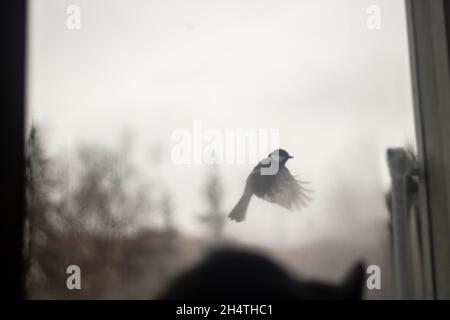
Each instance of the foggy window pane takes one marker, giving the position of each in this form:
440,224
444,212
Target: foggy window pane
148,116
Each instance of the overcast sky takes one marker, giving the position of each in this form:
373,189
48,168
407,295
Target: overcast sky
338,93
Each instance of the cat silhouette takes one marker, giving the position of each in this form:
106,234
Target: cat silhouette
240,274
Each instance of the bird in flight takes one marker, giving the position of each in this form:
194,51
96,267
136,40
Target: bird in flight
272,181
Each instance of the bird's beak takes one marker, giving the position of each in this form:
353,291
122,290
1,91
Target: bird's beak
290,157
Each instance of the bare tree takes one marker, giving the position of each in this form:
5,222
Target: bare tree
40,185
167,212
214,217
40,182
105,196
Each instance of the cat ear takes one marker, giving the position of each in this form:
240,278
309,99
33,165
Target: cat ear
352,285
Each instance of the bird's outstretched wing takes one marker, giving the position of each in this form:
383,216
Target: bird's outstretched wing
287,191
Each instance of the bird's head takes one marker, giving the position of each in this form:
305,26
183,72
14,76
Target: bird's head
280,155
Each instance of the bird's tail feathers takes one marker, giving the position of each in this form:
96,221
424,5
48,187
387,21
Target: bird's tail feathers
240,209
